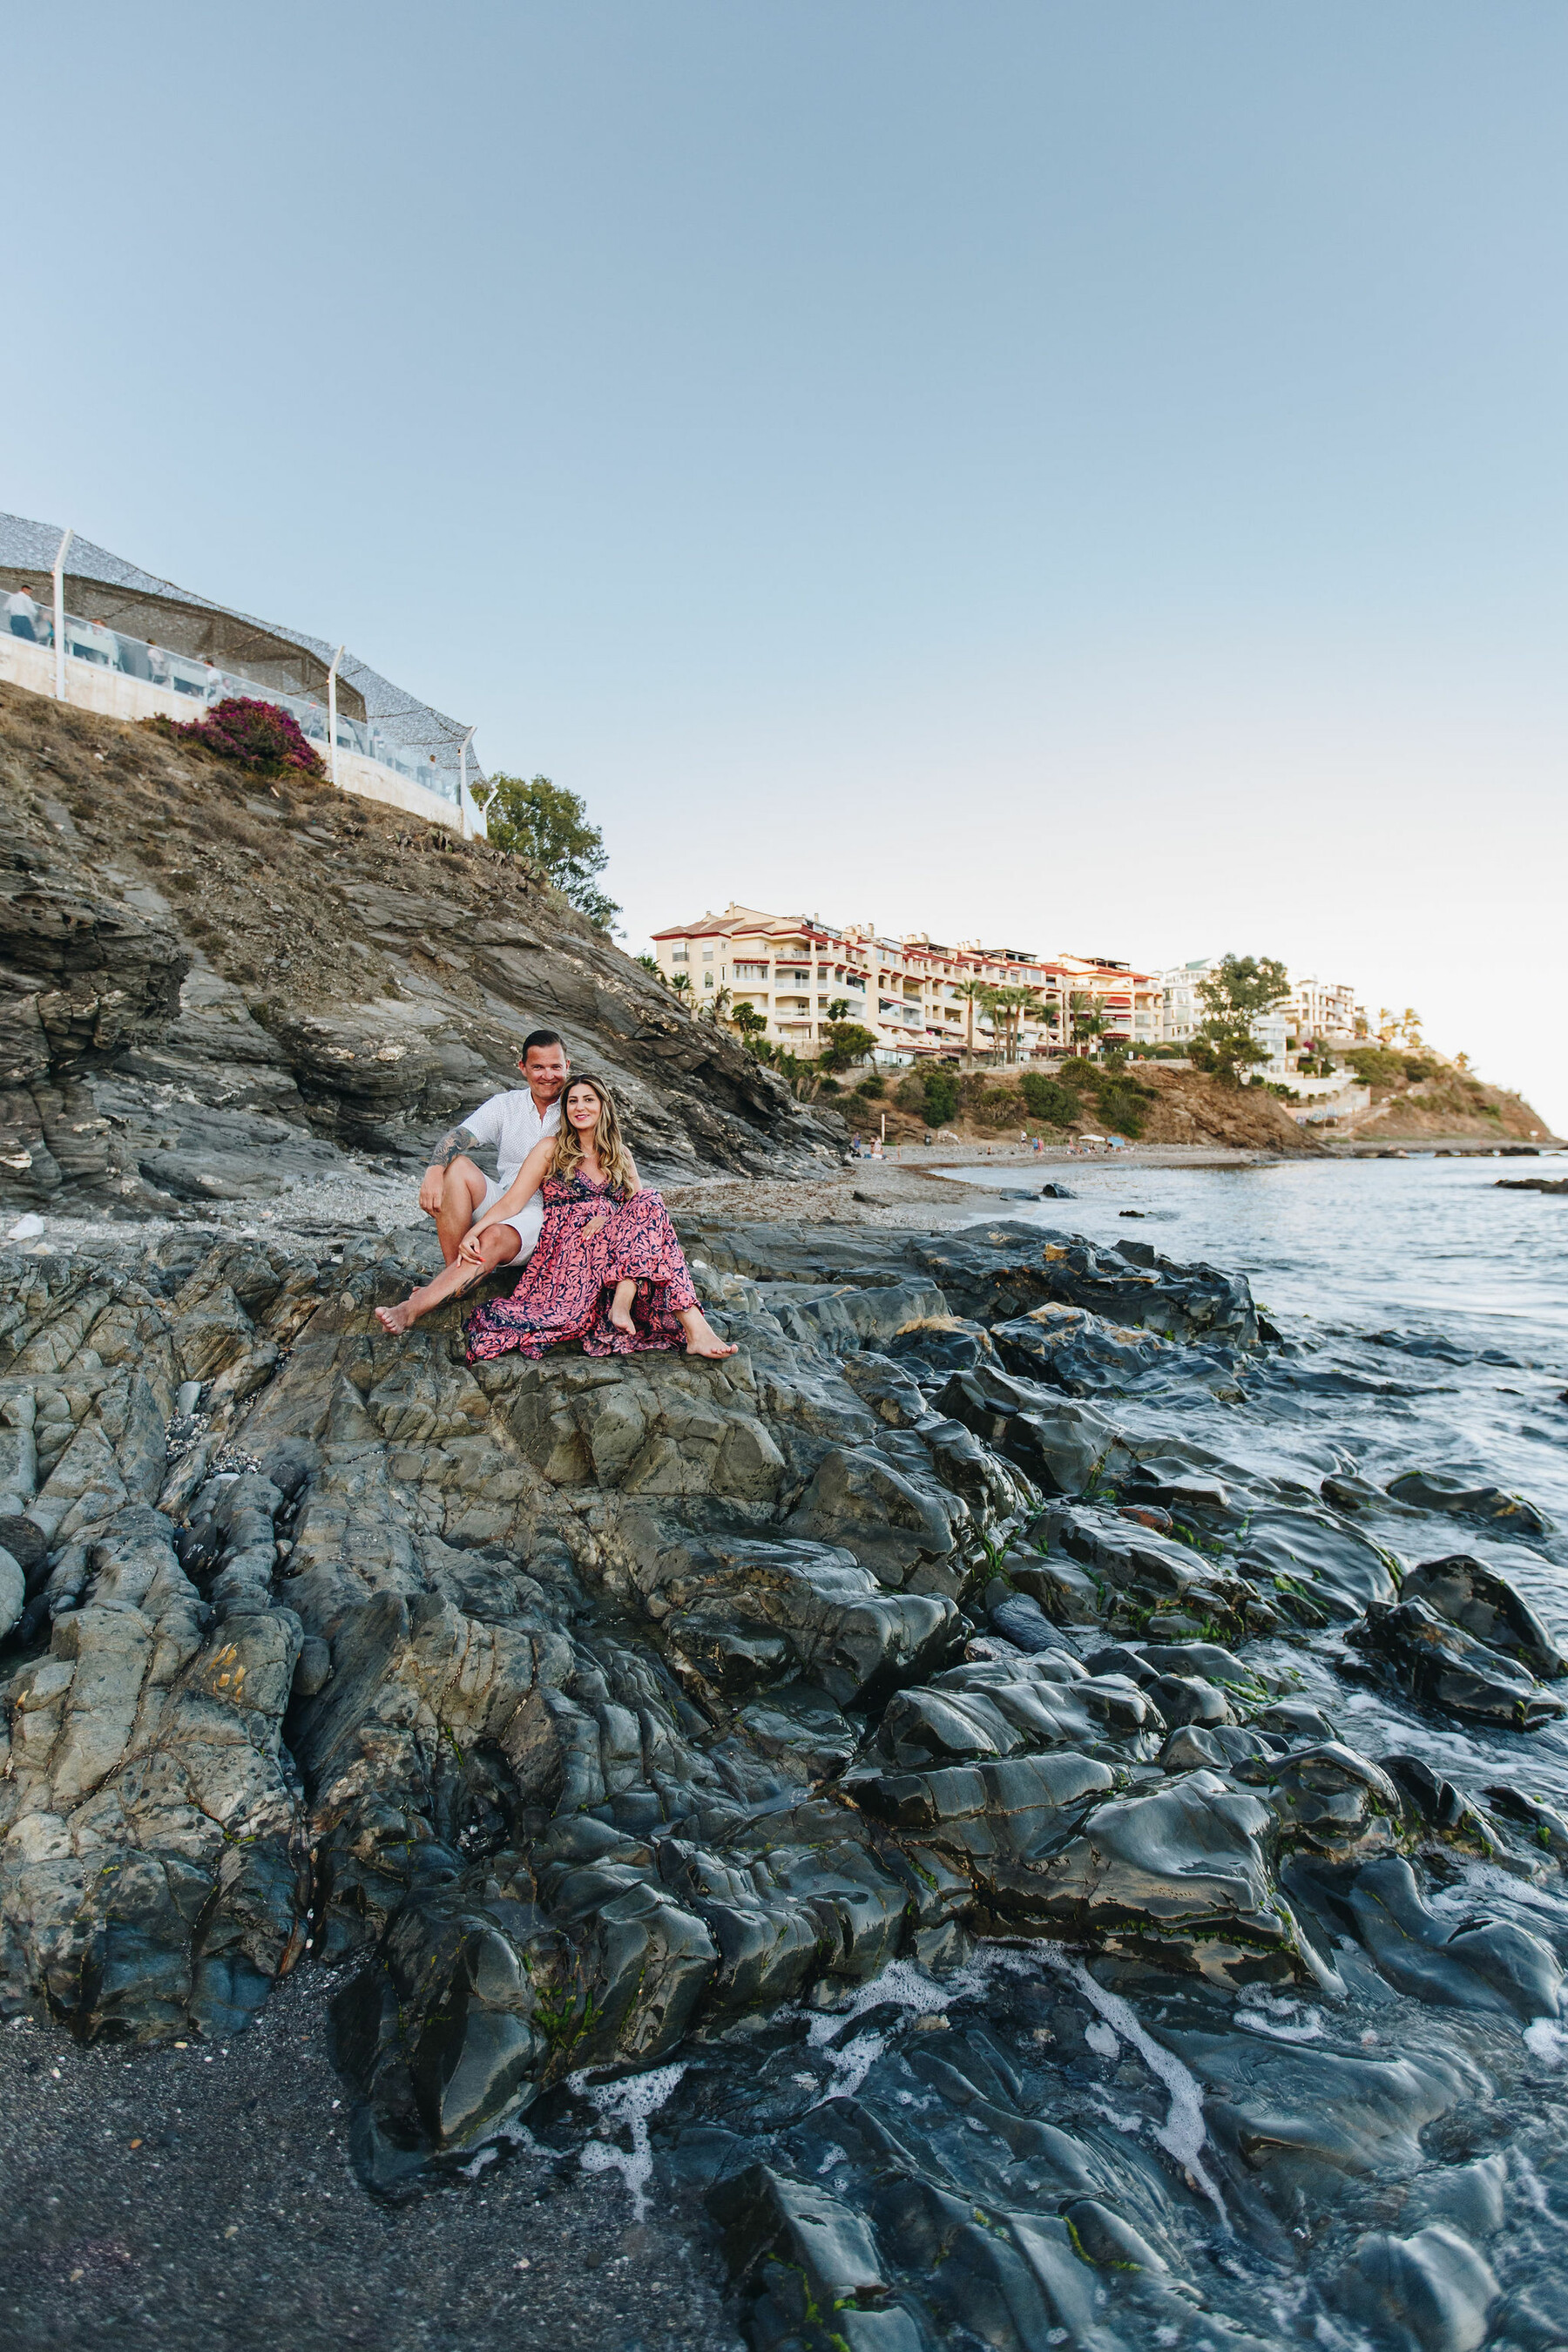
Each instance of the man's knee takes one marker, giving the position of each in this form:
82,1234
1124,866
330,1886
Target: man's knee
462,1185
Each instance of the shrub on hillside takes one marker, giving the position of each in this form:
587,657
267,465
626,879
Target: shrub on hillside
1377,1065
872,1085
257,735
1048,1099
940,1096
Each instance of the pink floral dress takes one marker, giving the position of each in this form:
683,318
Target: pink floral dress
563,1292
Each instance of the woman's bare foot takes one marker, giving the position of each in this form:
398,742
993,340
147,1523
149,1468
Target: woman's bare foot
397,1319
621,1308
701,1339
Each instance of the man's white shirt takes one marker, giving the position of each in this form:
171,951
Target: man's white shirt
515,1124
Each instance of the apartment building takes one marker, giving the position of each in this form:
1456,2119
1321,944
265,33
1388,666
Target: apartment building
1182,1013
913,994
1325,1011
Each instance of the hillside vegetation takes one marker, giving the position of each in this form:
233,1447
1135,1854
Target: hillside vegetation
1420,1096
1152,1103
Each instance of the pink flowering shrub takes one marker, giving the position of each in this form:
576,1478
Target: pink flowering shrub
260,736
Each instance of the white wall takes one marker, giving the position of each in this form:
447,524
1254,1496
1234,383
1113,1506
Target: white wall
113,694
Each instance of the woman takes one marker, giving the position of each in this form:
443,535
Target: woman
602,1228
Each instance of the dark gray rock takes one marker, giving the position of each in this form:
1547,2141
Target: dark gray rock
1472,1595
1439,1662
1433,1490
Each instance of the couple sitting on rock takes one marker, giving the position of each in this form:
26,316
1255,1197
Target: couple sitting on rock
602,1263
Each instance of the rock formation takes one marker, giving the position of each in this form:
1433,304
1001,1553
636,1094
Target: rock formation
212,989
728,1725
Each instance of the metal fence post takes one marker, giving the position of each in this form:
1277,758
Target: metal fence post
60,616
463,782
333,714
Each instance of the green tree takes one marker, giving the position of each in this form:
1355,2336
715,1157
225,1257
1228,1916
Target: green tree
549,825
839,1009
680,984
940,1096
1233,995
745,1017
847,1042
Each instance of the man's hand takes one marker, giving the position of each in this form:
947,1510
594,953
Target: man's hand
430,1190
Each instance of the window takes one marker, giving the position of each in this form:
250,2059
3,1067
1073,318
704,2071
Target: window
707,979
680,955
707,955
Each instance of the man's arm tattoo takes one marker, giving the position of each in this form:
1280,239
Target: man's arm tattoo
452,1145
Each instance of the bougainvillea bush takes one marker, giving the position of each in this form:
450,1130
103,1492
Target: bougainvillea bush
260,736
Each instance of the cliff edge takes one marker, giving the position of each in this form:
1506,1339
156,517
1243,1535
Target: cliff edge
217,989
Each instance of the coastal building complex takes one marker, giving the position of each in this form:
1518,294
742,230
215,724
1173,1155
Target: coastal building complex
88,628
917,997
790,977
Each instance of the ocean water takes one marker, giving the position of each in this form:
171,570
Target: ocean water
1424,1313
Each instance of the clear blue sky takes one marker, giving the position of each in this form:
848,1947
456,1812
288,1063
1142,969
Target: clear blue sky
1088,476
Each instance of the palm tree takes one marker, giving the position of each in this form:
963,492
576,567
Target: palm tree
680,982
978,992
1012,1003
716,1007
748,1021
1086,1017
839,1009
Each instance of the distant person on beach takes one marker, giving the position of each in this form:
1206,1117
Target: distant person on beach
607,1269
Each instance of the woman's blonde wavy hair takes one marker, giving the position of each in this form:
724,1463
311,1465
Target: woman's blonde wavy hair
609,1143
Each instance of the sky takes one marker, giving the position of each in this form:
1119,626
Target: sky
1084,476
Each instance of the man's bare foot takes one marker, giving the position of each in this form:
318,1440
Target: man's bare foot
396,1319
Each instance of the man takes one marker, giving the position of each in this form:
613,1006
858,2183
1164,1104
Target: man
455,1192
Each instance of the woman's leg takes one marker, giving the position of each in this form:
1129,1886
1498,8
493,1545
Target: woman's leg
643,1249
498,1245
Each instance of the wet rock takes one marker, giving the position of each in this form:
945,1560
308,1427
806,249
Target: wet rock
1183,1870
1328,1799
1477,1964
1020,1619
153,1877
1468,1594
1431,2293
13,1593
1546,1823
1436,1661
1188,1698
1075,1350
1433,1490
1441,1807
746,1612
1313,1569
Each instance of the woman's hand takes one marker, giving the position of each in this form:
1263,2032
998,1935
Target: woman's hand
469,1248
594,1226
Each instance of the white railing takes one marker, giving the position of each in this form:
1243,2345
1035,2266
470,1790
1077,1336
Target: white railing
201,684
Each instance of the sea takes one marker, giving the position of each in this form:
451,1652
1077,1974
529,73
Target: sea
1423,1306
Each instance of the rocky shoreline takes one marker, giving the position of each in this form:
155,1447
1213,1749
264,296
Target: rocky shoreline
880,1833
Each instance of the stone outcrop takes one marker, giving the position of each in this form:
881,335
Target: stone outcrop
600,1716
212,987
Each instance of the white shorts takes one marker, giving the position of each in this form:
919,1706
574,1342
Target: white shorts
527,1224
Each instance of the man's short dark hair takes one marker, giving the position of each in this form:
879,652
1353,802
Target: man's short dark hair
540,1037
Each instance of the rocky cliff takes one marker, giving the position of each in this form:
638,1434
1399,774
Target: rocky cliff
217,990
